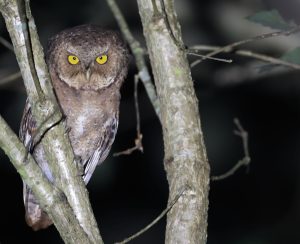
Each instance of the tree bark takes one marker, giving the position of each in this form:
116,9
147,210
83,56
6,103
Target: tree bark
185,160
51,199
46,112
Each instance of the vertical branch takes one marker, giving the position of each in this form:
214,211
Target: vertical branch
15,17
136,105
138,53
38,55
139,135
186,161
45,109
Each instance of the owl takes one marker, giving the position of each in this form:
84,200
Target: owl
87,65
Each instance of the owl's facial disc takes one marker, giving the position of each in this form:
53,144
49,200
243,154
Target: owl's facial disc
87,66
88,70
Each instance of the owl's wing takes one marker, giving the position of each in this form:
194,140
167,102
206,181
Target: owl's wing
35,216
103,147
28,126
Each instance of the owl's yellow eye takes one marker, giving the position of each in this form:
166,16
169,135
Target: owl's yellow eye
101,59
73,59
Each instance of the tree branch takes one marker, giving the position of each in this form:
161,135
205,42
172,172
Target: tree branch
139,135
194,52
246,53
158,218
6,44
14,16
138,53
50,198
58,150
10,78
231,46
185,154
245,161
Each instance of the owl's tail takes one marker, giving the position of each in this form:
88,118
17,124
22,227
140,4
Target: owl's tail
35,217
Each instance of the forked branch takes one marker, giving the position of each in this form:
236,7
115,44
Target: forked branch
245,161
21,27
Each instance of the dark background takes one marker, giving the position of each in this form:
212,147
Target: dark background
260,204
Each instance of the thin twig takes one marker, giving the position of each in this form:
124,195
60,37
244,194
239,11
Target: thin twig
247,53
231,46
194,53
139,135
138,146
136,105
176,41
6,44
10,78
245,161
138,53
158,218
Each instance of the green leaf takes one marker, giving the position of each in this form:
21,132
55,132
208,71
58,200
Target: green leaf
271,19
292,56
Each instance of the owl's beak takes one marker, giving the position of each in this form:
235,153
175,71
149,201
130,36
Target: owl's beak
88,74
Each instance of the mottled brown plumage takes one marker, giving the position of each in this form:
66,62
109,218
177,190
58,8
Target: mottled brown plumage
87,65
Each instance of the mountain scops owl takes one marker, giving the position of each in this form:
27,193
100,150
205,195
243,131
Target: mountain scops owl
87,65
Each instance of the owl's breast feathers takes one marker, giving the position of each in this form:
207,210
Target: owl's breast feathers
91,116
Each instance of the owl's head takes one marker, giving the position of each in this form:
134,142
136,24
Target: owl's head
88,57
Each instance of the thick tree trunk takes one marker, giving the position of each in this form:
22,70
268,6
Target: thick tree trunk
185,154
